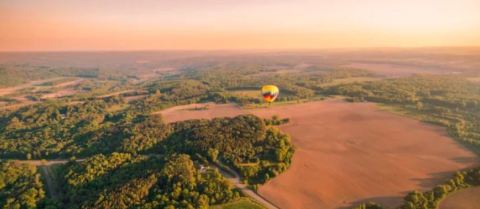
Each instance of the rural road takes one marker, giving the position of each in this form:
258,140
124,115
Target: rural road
230,174
234,177
52,187
44,167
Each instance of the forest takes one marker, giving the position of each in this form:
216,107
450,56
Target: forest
169,166
125,181
243,142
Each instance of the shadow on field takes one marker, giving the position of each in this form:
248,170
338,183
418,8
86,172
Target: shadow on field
433,180
466,160
383,200
424,183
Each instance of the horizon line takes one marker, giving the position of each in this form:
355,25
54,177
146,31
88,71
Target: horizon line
240,50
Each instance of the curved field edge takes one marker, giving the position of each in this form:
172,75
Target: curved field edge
242,203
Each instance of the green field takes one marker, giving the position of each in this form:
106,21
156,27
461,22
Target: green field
242,203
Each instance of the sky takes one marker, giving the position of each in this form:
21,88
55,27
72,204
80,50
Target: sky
73,25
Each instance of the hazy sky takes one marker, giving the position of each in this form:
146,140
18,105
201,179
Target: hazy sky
235,24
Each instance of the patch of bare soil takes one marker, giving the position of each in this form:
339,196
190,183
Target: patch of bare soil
115,93
200,111
60,93
70,83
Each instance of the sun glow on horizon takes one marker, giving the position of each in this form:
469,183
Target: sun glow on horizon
251,24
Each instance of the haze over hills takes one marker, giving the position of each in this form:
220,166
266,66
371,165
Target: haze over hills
454,58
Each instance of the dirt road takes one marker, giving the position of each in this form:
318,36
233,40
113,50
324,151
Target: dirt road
234,177
52,187
45,169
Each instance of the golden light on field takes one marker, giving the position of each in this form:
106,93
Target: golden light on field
228,24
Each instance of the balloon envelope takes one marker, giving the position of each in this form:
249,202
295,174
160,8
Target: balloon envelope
270,93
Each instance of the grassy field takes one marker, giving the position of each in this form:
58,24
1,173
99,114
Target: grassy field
242,203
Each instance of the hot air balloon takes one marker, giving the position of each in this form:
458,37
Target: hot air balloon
270,93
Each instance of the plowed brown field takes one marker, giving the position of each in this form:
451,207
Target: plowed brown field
350,152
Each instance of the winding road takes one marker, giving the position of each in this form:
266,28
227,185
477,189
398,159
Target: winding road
234,177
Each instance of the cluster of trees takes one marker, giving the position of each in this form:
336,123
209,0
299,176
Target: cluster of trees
258,151
276,121
122,181
132,134
369,205
56,129
430,199
20,186
51,129
182,91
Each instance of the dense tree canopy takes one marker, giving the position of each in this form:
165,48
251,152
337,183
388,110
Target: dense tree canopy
163,177
20,186
245,142
122,181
